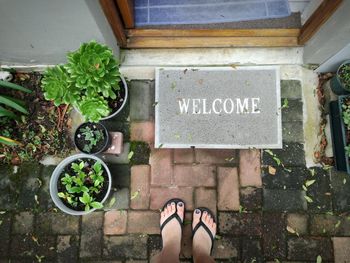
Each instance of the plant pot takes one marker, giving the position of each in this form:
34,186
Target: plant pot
336,85
56,176
100,146
338,132
125,87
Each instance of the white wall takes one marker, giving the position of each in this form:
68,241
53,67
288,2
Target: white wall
332,37
42,31
298,5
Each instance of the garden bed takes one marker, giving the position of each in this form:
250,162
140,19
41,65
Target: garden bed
44,131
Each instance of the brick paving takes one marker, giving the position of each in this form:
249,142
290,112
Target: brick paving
261,208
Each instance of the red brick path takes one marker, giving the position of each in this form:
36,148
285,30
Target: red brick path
201,177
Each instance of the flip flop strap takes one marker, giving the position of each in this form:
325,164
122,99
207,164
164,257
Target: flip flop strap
206,229
176,216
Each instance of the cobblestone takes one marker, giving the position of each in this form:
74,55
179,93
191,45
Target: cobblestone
341,247
274,235
291,89
309,248
228,189
194,175
118,199
67,249
23,223
284,200
251,198
209,156
294,112
251,250
57,223
115,222
125,247
91,234
161,161
140,182
298,222
249,168
184,156
292,154
142,131
226,248
141,91
240,224
143,222
5,228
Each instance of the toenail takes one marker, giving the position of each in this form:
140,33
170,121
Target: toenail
205,212
197,211
172,203
180,204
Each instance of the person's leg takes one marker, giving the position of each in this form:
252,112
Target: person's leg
201,240
171,235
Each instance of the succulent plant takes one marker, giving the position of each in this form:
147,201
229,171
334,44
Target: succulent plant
57,87
94,108
87,81
93,67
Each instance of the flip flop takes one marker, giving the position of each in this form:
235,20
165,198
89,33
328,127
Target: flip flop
202,224
175,215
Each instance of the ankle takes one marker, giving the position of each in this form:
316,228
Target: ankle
173,246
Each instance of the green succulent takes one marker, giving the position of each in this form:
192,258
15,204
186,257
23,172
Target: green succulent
57,87
93,67
94,108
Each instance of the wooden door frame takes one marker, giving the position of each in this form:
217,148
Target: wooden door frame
119,14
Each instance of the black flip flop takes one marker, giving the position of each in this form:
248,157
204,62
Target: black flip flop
175,215
201,224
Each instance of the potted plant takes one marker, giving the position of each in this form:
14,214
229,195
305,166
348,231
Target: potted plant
340,83
92,138
340,130
90,81
80,184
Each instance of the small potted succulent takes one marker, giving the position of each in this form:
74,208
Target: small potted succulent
92,138
80,184
340,83
90,81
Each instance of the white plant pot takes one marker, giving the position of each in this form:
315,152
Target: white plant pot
56,174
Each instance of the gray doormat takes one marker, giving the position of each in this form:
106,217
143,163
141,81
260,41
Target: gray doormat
219,107
175,12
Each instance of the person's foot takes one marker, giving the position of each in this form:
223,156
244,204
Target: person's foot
202,242
172,231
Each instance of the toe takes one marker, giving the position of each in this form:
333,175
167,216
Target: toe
172,207
180,209
196,217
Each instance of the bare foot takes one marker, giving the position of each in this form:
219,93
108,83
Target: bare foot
172,231
201,240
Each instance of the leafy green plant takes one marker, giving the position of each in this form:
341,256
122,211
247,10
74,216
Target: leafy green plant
88,81
8,104
82,184
92,137
344,75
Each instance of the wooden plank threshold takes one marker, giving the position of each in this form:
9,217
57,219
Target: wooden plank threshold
271,32
201,42
191,38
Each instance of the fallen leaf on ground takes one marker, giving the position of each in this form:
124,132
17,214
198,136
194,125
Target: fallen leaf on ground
272,170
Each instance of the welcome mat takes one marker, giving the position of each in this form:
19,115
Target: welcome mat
221,107
173,12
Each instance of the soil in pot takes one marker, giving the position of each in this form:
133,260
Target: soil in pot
91,138
116,104
88,168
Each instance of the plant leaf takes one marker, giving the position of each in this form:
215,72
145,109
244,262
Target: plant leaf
13,104
14,86
130,155
272,170
308,199
96,205
8,141
309,182
319,259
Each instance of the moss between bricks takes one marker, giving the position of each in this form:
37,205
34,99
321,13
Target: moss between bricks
141,152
